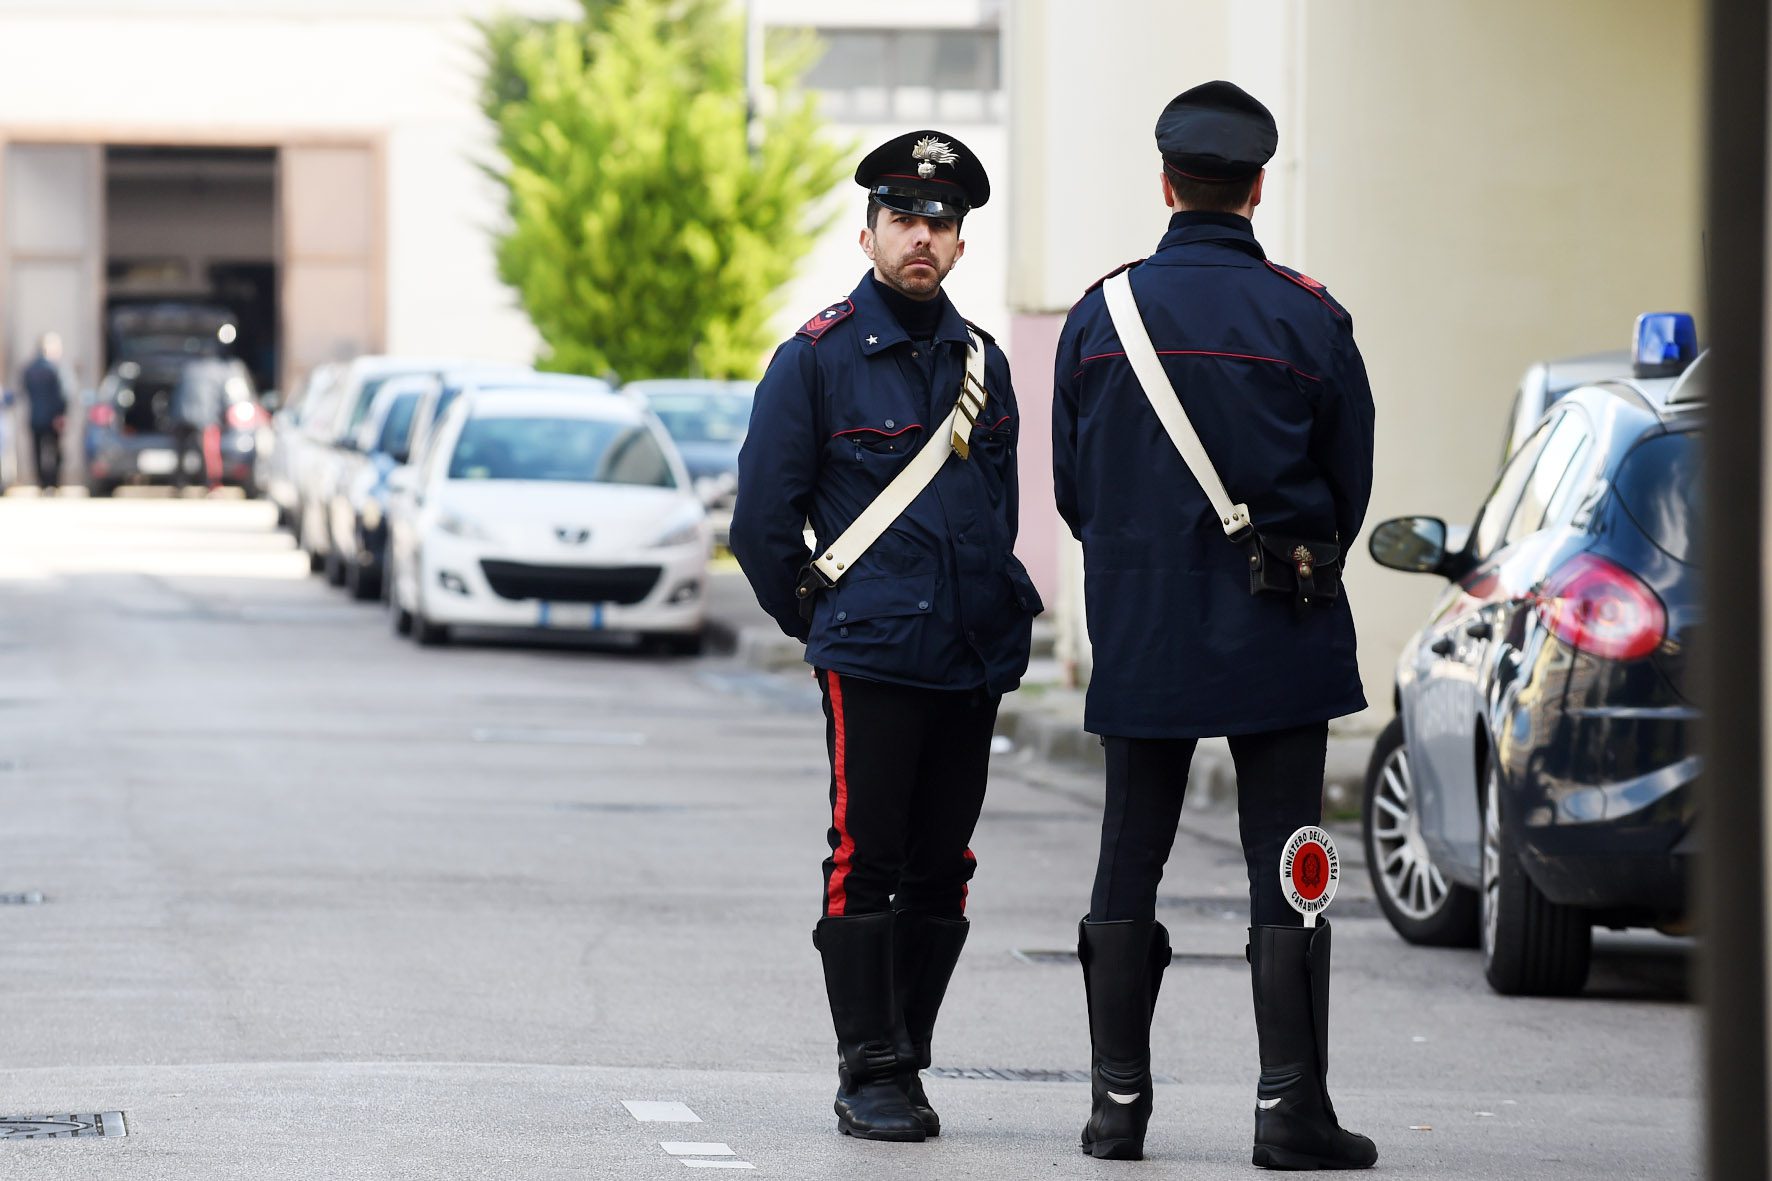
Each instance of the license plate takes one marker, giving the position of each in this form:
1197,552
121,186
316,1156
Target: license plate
156,463
571,615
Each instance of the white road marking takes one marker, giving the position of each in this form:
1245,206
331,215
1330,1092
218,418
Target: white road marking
660,1112
719,1164
690,1148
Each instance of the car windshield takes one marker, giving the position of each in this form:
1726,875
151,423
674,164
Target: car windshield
584,450
703,417
1661,485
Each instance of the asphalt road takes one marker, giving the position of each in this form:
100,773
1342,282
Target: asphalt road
317,903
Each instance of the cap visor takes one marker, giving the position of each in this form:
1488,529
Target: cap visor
919,204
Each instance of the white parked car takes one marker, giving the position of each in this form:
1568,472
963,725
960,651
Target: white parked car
552,509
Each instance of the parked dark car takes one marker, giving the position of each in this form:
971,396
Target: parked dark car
131,426
1539,778
707,420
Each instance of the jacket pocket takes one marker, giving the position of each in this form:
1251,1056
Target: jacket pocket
882,598
1021,587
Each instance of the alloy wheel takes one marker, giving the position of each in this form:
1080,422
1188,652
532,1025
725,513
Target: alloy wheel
1491,896
1414,886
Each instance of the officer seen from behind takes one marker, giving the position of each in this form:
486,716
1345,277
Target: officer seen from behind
914,636
1203,625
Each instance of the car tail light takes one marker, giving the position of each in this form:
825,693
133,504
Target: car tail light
243,416
1598,607
101,415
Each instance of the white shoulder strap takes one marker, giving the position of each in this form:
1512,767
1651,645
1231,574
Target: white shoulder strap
1123,309
954,435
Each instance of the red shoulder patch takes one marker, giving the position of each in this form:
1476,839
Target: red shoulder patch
1309,284
1125,266
821,323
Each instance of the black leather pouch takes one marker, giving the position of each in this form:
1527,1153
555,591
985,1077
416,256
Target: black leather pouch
1307,571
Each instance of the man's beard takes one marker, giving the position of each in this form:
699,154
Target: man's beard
921,282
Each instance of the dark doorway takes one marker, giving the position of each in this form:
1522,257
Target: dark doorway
191,254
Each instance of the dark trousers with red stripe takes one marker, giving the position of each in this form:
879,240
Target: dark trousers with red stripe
1279,790
908,769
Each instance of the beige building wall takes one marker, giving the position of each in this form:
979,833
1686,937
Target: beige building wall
1484,183
1488,183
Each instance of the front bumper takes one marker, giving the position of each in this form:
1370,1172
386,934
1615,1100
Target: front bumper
472,585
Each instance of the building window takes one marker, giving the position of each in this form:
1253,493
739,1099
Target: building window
897,75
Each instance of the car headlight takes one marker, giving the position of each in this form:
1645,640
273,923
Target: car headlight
711,490
465,528
681,531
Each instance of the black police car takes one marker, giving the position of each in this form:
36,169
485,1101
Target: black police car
1540,775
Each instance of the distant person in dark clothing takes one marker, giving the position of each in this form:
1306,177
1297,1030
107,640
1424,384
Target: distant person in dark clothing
197,404
49,408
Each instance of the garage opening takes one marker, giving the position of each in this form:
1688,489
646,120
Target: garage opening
191,255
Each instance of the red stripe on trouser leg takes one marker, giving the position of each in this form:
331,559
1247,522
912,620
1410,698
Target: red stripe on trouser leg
965,889
836,900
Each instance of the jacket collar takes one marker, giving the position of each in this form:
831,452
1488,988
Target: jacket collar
1226,229
880,329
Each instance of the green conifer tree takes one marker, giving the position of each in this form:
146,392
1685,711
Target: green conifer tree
645,236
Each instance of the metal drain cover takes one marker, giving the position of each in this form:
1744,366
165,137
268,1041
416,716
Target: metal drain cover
62,1127
1017,1074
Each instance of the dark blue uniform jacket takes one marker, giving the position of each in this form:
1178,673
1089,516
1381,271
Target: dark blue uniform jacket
43,386
1265,365
940,600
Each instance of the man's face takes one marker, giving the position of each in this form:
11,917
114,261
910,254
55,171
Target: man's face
913,254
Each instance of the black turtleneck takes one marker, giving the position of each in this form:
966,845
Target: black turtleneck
918,317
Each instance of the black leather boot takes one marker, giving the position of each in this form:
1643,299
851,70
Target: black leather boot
857,953
925,950
1295,1124
1123,964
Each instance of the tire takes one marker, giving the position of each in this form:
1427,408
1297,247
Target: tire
402,619
1531,945
677,643
316,563
428,634
362,583
333,564
1421,904
100,489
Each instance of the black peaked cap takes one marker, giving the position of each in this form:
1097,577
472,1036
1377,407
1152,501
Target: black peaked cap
1216,132
928,173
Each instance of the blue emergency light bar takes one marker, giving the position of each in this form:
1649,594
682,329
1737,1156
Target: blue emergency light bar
1663,344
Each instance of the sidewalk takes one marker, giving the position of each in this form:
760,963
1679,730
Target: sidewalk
1043,716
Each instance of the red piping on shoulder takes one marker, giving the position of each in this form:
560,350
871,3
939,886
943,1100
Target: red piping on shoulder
1308,283
821,323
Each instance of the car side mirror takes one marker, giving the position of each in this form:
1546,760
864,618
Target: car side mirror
1415,545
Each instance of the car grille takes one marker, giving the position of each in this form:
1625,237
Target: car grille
571,584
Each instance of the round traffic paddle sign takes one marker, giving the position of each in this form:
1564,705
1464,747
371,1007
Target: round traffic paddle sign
1309,872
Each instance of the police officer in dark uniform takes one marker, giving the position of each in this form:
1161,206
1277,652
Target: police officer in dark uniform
914,640
1264,363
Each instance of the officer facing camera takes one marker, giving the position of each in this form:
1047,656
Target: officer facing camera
889,422
1212,449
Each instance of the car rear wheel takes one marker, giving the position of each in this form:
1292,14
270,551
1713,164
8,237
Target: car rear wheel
100,488
1422,906
333,564
1531,945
